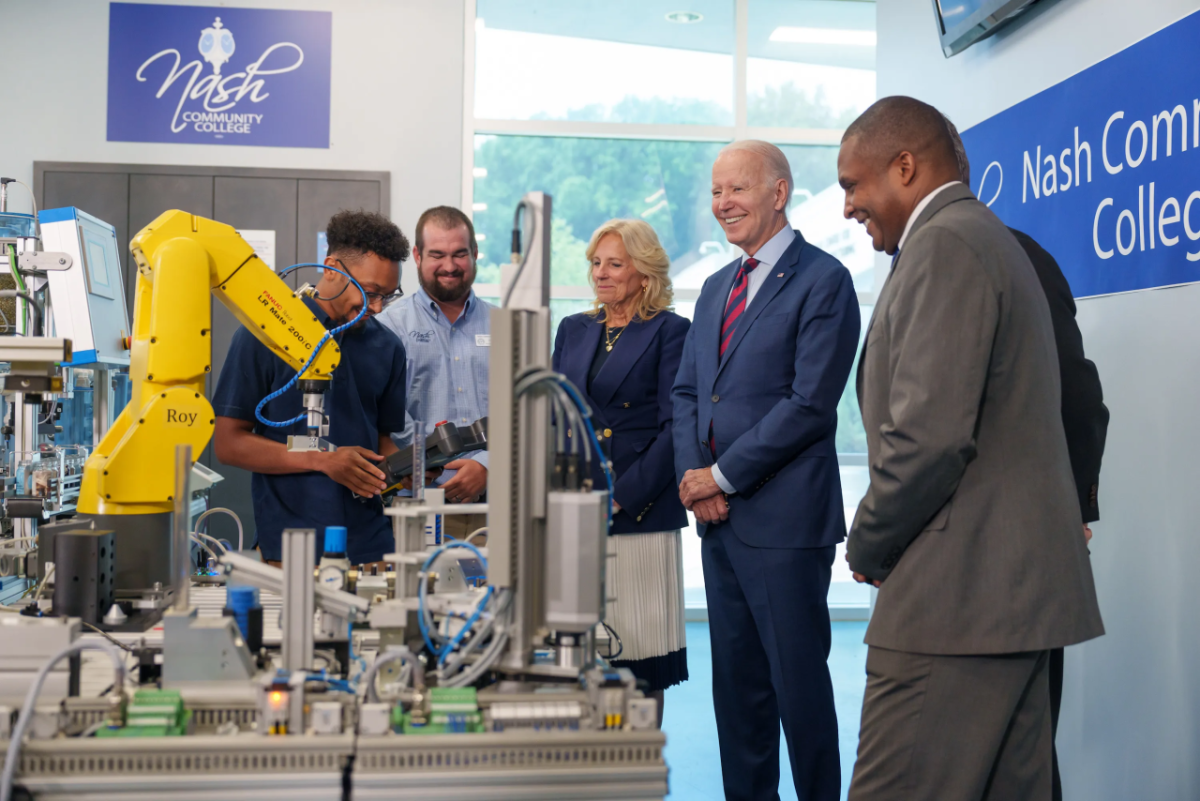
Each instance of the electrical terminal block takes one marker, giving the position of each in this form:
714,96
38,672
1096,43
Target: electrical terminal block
538,716
452,710
609,692
152,713
612,721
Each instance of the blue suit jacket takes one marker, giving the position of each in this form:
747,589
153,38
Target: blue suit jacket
772,399
631,397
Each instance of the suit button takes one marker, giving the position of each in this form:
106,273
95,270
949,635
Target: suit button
608,433
716,398
639,518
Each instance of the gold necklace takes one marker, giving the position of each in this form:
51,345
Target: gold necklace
608,343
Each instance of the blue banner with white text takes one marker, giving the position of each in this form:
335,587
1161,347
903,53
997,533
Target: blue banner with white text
1103,169
224,76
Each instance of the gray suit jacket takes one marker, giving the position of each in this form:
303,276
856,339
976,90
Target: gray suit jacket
971,515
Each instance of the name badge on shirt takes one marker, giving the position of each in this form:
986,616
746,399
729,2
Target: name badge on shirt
483,340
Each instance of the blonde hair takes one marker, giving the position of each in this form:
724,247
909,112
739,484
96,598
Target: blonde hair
649,259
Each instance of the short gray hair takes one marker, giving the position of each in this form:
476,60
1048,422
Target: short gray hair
773,159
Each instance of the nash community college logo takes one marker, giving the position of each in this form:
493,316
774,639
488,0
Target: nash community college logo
219,96
248,76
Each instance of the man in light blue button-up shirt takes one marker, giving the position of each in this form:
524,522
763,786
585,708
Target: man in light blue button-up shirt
446,335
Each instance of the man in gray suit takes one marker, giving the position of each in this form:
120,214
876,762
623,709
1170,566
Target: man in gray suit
970,527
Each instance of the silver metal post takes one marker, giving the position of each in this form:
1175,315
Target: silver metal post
299,558
517,475
102,394
418,461
519,440
181,525
25,418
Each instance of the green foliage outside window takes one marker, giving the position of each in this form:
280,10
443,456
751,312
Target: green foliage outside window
666,183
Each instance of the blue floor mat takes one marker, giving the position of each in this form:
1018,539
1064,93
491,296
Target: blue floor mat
692,752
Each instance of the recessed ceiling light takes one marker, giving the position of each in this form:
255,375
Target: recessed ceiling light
684,17
824,36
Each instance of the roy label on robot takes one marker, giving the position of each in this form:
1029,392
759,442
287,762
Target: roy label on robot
176,417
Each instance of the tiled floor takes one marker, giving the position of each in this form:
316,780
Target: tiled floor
692,752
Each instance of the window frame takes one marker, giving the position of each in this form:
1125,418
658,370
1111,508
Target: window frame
473,126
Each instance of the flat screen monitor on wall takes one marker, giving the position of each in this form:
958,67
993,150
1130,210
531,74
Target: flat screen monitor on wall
962,23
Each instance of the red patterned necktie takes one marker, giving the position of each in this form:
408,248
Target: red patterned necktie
733,311
737,302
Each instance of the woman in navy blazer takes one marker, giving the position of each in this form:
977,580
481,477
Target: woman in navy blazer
623,354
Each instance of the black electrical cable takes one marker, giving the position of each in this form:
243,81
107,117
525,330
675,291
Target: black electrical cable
348,768
110,638
348,774
516,244
37,306
620,643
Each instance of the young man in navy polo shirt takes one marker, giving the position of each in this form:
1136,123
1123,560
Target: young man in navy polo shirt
364,404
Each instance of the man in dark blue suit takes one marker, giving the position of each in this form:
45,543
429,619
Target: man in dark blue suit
763,368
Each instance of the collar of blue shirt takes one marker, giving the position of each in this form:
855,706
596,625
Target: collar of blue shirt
430,305
770,253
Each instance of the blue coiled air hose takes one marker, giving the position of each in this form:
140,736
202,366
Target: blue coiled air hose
330,334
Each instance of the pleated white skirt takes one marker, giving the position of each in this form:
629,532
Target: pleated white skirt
644,582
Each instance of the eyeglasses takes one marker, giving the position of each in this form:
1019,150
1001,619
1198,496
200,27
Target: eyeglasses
384,300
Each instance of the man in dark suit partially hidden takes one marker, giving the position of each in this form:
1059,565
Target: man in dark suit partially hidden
970,526
1085,417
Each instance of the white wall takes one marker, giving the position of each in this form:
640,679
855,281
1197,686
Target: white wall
1131,712
396,98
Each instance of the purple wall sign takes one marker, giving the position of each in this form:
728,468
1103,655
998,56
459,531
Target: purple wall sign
218,76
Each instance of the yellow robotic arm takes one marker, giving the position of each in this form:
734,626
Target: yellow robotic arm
181,260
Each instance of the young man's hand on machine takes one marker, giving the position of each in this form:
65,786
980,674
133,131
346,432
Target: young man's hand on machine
352,467
430,477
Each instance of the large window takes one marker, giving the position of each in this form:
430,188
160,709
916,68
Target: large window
618,109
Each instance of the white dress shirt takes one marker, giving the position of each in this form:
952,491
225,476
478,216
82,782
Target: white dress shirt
925,201
768,256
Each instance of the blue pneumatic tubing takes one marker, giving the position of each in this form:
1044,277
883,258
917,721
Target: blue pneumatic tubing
328,336
442,653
